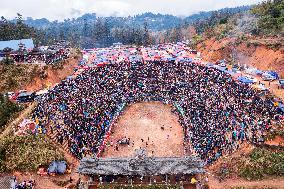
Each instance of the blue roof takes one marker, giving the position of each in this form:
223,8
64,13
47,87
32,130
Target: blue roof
14,44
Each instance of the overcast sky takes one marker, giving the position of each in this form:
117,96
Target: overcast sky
61,9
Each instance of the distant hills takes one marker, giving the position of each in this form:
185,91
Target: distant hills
156,22
89,30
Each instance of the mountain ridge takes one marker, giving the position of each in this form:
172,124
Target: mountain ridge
156,21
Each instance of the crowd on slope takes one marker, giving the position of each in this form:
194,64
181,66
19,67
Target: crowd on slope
216,112
22,185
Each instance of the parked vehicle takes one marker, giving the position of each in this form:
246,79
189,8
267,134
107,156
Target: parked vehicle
26,97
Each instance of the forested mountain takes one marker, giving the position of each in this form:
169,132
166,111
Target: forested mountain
263,20
156,22
271,17
18,30
89,30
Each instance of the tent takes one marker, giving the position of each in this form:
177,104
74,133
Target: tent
102,64
41,92
209,65
229,72
58,167
171,59
260,87
25,126
253,71
280,108
258,72
245,80
223,69
272,73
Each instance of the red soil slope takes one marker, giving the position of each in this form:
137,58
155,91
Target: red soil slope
253,52
53,76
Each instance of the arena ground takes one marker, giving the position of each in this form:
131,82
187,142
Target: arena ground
149,125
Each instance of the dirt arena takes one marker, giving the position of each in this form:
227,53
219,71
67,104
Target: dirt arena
149,125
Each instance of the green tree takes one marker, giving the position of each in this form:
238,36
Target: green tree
146,35
7,109
271,17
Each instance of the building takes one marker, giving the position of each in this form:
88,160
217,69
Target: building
16,44
141,169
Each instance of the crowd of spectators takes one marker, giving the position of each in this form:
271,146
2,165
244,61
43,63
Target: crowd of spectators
216,112
48,57
30,184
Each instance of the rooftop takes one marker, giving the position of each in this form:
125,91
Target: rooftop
142,165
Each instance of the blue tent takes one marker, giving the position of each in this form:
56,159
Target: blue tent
223,69
229,72
189,59
209,65
258,72
281,108
273,73
82,62
245,80
171,59
58,167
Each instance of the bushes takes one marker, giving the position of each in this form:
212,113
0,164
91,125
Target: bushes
263,162
58,65
271,16
16,76
271,135
7,109
7,61
26,153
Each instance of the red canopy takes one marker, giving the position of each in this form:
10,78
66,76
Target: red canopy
86,67
102,64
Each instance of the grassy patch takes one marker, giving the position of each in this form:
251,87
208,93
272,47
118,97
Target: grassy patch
7,109
261,163
26,153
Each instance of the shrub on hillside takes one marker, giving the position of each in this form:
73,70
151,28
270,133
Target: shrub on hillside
15,76
26,153
262,162
7,109
7,61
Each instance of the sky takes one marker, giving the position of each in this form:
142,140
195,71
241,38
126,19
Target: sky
62,9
